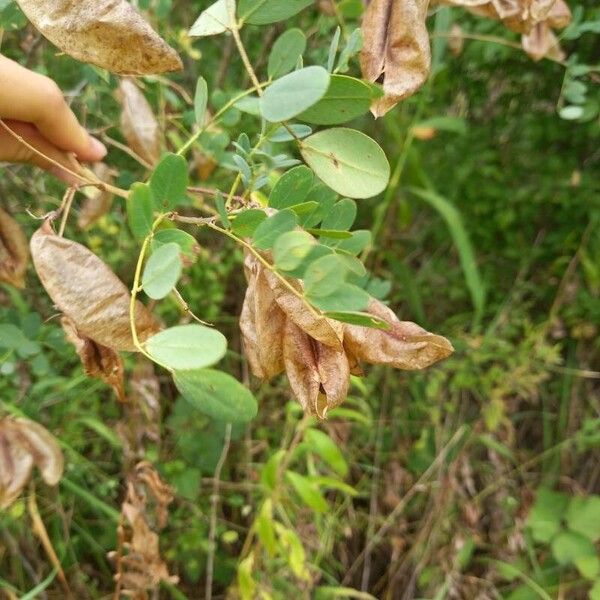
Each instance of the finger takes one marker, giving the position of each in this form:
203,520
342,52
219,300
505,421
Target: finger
46,156
33,98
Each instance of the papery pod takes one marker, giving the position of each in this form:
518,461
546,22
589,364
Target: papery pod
559,15
14,251
97,202
322,329
404,345
23,445
262,322
98,361
138,123
108,33
86,290
319,375
541,42
396,47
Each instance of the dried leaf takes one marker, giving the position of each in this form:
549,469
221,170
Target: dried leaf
97,202
319,375
108,33
88,292
23,444
98,361
404,345
396,48
541,42
14,251
138,123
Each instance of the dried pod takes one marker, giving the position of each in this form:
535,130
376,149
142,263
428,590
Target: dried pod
98,361
262,322
319,375
86,290
404,345
108,33
97,202
396,48
138,123
23,444
541,42
14,251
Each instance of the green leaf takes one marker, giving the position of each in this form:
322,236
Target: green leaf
324,276
333,48
292,188
187,243
222,210
345,99
162,271
286,51
346,297
289,96
331,233
263,12
291,248
463,244
308,491
217,395
264,527
201,100
358,318
140,210
341,216
348,161
269,230
287,134
214,20
169,182
588,566
321,444
568,546
187,347
583,516
357,243
245,223
594,592
546,513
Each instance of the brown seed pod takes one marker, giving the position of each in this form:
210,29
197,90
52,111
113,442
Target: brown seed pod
396,48
108,33
23,445
86,290
138,123
14,251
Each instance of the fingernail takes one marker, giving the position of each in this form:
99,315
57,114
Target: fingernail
98,148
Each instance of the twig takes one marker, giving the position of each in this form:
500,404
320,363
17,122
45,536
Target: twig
128,151
214,503
65,208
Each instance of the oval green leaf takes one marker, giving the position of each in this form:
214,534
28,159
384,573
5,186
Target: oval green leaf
346,99
263,12
292,188
162,271
187,347
217,395
291,248
287,49
140,210
169,181
270,229
348,161
294,93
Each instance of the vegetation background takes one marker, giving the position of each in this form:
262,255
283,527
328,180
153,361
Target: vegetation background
473,480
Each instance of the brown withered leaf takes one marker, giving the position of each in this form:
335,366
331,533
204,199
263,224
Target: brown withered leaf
138,123
541,42
396,48
86,290
14,251
404,345
97,202
98,361
23,445
319,375
108,33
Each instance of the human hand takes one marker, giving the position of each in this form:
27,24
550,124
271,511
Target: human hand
33,107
